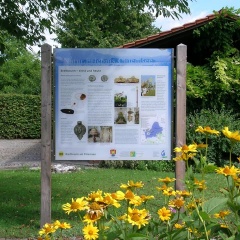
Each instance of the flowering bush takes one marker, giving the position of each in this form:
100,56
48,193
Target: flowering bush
184,214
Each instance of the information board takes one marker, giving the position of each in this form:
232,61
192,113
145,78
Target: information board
113,104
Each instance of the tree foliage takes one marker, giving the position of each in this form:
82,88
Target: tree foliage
219,35
21,75
216,84
19,69
28,19
97,27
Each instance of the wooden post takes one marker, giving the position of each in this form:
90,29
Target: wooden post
181,111
46,121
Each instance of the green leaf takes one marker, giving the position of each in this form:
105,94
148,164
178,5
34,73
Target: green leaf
214,205
204,216
136,236
224,191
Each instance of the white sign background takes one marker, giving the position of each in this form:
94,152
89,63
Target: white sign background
113,104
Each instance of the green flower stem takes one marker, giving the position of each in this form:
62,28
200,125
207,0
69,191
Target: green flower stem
231,189
202,159
206,147
127,207
234,202
80,217
177,220
125,229
61,235
230,154
169,230
165,199
202,166
100,224
187,165
203,222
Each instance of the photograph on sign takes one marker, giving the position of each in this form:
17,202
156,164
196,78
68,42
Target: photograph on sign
113,104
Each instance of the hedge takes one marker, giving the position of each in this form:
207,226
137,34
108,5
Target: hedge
20,116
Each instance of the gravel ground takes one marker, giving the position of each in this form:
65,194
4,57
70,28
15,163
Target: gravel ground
22,153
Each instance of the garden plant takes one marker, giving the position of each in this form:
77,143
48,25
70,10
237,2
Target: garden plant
184,214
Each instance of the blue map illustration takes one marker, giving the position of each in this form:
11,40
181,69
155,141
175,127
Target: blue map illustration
154,130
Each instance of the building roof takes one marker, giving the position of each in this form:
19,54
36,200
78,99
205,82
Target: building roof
170,33
176,36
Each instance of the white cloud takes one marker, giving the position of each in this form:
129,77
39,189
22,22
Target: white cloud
49,40
169,23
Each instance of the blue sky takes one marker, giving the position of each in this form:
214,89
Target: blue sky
199,9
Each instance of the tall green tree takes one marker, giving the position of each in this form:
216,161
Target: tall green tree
28,19
94,27
216,84
220,35
21,75
19,68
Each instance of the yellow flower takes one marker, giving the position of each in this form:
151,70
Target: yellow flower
223,226
198,201
184,157
91,218
131,185
201,185
176,203
95,210
236,180
178,225
179,158
129,195
228,171
145,198
191,206
222,214
138,217
90,232
163,187
193,230
48,228
118,195
94,195
232,136
169,192
109,200
184,193
202,145
238,159
166,180
123,217
187,151
207,130
164,214
76,205
47,237
186,148
62,225
132,198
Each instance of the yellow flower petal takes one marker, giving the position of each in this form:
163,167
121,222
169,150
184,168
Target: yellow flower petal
228,171
90,232
164,214
207,130
232,136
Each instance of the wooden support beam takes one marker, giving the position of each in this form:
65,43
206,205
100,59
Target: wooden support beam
181,111
46,132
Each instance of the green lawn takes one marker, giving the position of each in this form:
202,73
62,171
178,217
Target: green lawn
21,194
